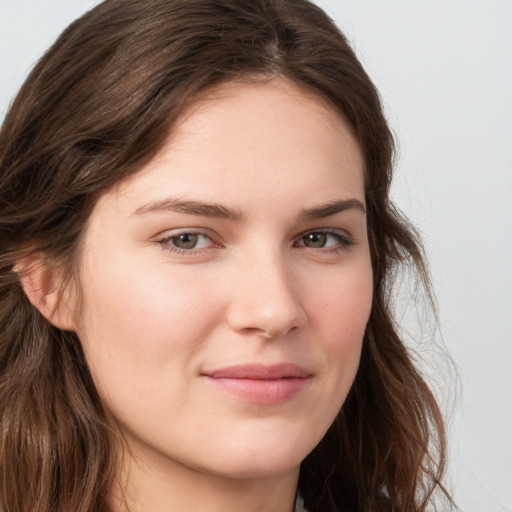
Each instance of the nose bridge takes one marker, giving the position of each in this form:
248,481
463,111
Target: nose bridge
265,298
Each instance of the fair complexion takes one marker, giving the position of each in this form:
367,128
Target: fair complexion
225,292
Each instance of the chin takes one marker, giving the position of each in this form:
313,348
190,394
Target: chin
253,459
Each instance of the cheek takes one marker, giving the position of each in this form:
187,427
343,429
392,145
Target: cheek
343,304
341,312
136,321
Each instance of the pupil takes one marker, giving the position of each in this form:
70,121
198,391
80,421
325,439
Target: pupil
186,241
316,240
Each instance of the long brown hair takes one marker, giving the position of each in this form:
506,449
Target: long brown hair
99,105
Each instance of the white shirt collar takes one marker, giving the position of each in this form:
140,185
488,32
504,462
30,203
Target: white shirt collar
299,503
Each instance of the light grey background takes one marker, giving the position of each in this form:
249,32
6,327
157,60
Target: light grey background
444,69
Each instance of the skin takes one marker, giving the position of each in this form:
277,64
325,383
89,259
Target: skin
263,284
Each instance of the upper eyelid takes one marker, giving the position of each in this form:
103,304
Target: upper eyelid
169,233
216,238
164,239
344,242
210,233
333,231
165,242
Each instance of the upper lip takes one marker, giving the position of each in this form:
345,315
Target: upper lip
260,372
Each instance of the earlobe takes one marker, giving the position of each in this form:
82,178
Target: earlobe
43,285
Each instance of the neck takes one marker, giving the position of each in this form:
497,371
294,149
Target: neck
157,484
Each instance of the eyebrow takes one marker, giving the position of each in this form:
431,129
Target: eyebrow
191,208
219,211
332,208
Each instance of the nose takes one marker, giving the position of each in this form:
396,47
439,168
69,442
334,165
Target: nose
265,299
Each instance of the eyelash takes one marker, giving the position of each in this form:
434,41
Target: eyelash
167,245
343,242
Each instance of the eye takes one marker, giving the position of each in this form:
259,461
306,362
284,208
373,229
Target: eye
186,241
324,240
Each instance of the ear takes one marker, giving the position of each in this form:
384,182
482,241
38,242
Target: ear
43,284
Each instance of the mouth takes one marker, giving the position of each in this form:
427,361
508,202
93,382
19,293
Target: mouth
260,384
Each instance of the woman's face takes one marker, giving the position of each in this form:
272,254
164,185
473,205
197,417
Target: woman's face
227,285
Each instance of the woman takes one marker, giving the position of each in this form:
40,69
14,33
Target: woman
197,252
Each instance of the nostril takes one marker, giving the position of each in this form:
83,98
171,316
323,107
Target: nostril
256,331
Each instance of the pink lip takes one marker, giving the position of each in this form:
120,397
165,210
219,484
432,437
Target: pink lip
261,384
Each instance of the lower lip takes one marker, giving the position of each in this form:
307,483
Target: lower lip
259,391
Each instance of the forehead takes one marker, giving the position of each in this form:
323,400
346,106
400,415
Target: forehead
259,139
246,107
